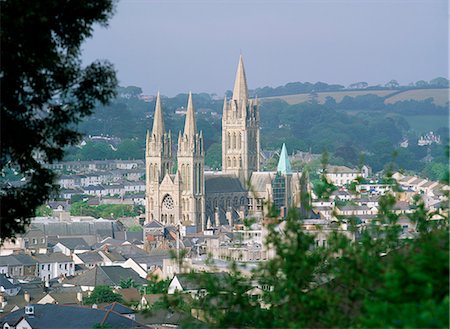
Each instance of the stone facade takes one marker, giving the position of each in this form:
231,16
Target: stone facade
192,197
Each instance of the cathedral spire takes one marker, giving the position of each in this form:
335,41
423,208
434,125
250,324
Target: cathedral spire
284,166
158,122
190,128
240,91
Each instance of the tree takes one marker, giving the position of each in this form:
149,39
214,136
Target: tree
102,294
127,283
439,82
377,281
392,84
45,94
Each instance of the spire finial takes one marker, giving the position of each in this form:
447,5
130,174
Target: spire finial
158,121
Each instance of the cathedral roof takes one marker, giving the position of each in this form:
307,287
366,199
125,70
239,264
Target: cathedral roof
240,90
284,166
260,180
222,184
158,121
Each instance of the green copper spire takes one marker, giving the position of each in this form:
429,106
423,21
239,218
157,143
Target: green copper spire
284,166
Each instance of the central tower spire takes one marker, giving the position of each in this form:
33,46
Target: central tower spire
240,90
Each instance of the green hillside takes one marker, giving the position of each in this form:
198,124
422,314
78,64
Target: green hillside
440,96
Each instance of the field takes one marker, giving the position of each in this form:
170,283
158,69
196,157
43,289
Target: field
424,123
337,95
440,96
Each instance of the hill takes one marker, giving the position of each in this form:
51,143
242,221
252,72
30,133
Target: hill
440,96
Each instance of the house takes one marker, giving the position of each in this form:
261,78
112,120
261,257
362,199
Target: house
104,275
7,286
54,265
71,245
129,295
34,240
63,298
195,284
121,309
341,175
18,266
89,259
54,316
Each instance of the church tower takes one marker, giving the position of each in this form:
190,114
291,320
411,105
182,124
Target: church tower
190,161
158,156
240,131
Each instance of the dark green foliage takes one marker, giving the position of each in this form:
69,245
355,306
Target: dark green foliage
378,281
45,93
106,210
127,283
102,294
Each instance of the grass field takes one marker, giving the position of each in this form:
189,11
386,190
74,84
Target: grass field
440,96
337,95
426,123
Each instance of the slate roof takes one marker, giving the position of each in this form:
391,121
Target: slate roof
74,243
90,257
196,281
5,283
52,258
70,317
105,275
222,184
154,224
259,180
17,260
119,308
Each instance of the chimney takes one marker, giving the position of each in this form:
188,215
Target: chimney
80,297
26,296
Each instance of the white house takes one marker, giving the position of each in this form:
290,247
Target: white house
54,265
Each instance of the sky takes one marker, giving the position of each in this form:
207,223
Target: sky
181,46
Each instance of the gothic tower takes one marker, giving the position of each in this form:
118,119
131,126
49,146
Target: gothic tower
240,130
190,161
158,156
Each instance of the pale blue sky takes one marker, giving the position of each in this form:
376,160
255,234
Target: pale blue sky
177,46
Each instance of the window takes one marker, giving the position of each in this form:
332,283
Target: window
168,202
48,267
42,240
65,266
34,241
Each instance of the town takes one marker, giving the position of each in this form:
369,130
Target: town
138,229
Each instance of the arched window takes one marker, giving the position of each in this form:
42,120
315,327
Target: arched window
240,141
234,162
234,140
229,162
229,141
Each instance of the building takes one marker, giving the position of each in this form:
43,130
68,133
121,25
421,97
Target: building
192,197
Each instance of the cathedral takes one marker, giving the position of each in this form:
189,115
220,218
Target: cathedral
192,197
